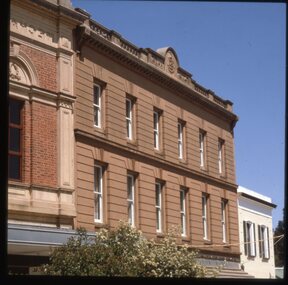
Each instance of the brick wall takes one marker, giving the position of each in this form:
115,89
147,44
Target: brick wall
39,143
45,65
44,142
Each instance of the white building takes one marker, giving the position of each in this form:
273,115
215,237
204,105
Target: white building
256,235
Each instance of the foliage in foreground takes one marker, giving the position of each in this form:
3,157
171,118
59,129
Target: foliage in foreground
123,252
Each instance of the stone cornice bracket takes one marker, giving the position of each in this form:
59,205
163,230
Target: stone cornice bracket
82,32
233,123
14,49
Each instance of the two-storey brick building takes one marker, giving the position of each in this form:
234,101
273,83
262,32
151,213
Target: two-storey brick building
101,131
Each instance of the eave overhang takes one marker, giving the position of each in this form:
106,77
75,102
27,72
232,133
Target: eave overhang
37,240
245,195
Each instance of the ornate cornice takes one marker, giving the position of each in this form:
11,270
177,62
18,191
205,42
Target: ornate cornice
61,9
161,66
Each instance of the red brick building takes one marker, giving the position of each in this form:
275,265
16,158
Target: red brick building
41,149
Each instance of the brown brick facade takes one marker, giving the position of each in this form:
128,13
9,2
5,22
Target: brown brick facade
109,145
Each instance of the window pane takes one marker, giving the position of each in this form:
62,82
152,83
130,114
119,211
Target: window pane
96,99
204,228
180,149
158,213
182,200
96,116
157,195
14,167
203,206
97,206
155,121
155,139
182,224
128,108
129,187
15,114
128,127
223,205
180,132
97,180
130,221
96,95
14,139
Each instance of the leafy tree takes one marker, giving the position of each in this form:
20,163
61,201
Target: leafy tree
279,245
123,252
168,259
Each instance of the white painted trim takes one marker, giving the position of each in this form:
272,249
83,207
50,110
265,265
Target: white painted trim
242,189
183,213
156,130
99,193
129,120
159,207
132,200
180,130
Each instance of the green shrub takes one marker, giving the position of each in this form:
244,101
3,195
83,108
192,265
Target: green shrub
123,252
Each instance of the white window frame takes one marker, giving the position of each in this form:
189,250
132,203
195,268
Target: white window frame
131,201
98,195
180,128
202,148
129,119
220,156
183,211
97,107
158,194
156,117
204,217
223,220
264,241
250,238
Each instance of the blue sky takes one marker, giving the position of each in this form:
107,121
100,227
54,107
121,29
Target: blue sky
235,49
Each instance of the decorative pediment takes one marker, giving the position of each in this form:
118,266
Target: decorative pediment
171,62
